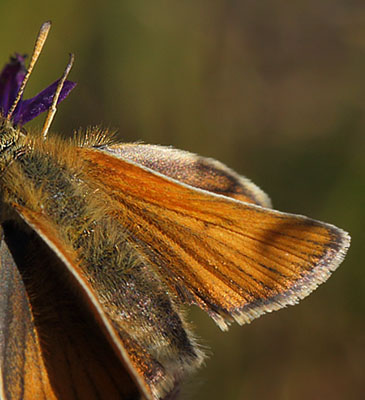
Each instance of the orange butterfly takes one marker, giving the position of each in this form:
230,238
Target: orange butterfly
103,244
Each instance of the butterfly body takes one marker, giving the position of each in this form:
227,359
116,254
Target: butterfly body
52,181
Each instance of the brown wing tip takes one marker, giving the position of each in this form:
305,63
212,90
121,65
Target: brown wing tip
320,272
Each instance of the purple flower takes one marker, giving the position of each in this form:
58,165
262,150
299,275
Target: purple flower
11,78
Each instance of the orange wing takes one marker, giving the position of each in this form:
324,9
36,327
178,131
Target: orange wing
192,169
23,375
53,348
235,260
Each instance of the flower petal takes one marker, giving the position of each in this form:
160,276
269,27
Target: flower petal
11,78
31,108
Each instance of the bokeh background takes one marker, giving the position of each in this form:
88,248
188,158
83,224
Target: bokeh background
276,90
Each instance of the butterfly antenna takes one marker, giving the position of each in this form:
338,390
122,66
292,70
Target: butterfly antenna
52,111
41,39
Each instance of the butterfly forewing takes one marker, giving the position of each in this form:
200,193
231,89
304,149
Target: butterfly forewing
231,258
136,243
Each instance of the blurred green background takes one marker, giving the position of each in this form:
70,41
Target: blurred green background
276,90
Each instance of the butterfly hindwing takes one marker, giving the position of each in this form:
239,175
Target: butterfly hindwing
160,327
70,353
191,169
23,372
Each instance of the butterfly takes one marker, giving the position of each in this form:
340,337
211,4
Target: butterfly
104,244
